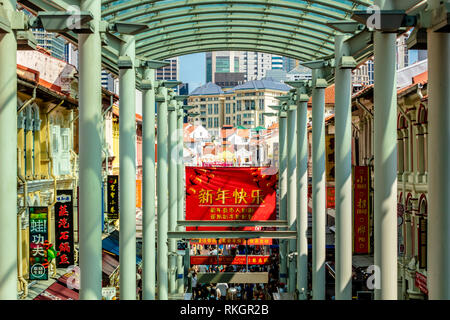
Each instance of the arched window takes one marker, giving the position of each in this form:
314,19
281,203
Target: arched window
402,144
422,148
422,228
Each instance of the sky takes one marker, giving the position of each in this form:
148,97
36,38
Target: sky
193,70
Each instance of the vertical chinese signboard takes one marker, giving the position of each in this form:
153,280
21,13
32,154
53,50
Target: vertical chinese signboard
64,239
113,197
230,194
38,238
361,239
422,242
329,160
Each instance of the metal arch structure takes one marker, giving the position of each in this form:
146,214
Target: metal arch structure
296,29
297,26
127,36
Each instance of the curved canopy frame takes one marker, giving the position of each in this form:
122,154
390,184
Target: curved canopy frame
292,28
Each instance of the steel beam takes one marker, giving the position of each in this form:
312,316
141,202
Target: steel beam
162,194
90,157
127,146
233,223
173,196
318,187
438,167
8,160
283,189
292,189
385,183
232,234
148,189
180,191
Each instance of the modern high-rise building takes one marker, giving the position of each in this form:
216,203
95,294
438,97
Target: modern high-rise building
71,54
108,81
244,105
170,72
221,62
254,66
277,62
51,42
290,64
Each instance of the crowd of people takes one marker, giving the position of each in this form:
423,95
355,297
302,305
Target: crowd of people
234,291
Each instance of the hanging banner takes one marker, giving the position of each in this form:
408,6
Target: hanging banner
361,240
113,197
329,160
230,260
421,282
64,239
250,242
331,198
139,194
422,242
38,261
230,194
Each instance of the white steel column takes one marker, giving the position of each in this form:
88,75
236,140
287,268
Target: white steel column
439,165
318,188
385,184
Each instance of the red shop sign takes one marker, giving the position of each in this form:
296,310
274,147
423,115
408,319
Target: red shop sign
230,194
421,282
230,260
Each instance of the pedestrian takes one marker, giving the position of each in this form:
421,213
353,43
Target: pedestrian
223,287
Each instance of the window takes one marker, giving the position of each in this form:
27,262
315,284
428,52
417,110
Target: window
238,120
228,120
216,122
261,104
227,108
209,122
209,108
216,108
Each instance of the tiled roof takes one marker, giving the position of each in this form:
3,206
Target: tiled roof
207,89
329,95
262,84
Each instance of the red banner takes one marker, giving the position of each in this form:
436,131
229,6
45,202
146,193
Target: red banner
361,240
421,282
331,199
251,242
230,194
230,260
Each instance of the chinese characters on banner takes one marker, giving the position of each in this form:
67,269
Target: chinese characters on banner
113,197
230,260
229,194
226,194
361,240
139,194
38,237
329,160
250,242
64,239
331,198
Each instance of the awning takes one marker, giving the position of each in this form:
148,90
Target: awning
109,264
111,245
58,291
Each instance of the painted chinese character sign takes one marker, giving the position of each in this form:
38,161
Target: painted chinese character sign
230,194
361,205
113,197
38,243
64,228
